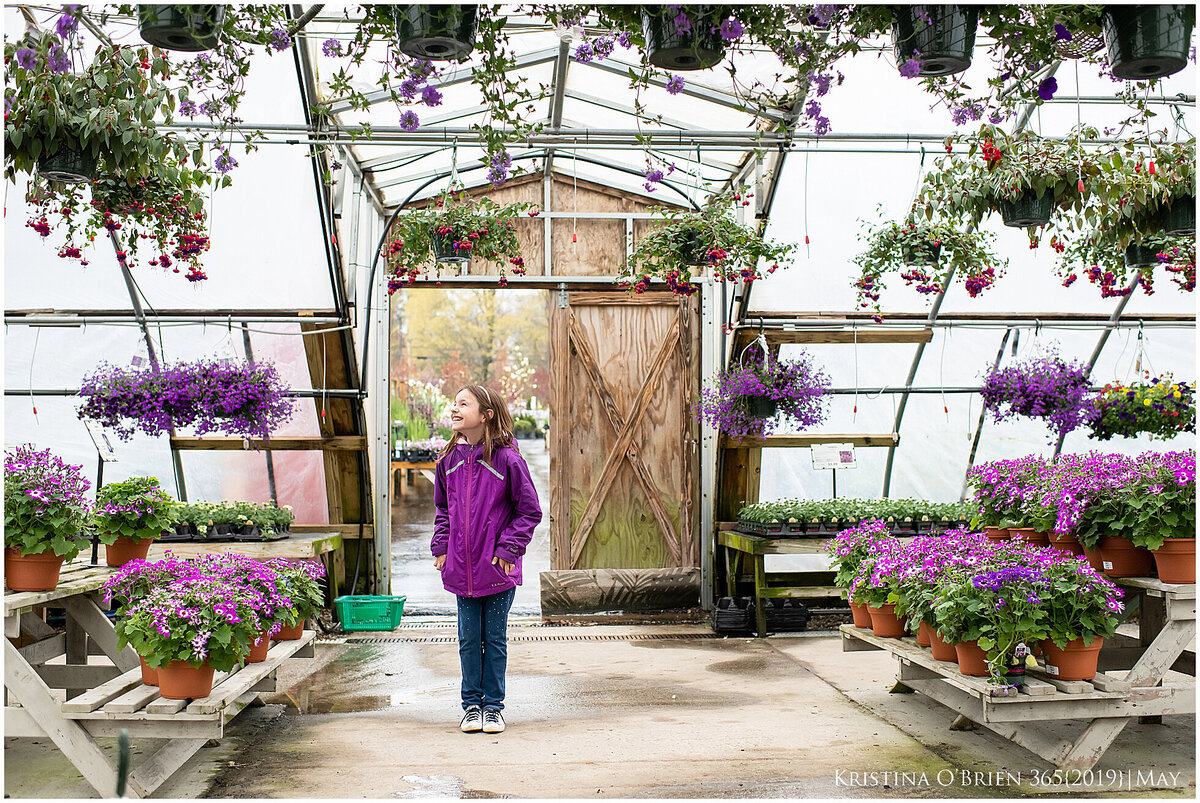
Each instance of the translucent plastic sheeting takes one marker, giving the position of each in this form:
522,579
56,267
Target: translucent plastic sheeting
59,357
299,480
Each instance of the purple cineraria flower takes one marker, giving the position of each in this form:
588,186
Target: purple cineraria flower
1061,34
68,22
26,59
225,162
331,48
409,121
731,29
1047,88
188,108
910,68
279,40
430,96
675,84
59,61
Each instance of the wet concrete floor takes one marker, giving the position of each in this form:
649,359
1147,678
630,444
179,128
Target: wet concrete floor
619,711
413,574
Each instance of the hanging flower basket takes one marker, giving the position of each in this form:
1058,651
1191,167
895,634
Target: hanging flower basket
681,40
1157,407
1147,41
940,38
68,166
190,28
762,406
1179,219
692,250
1027,210
1046,387
923,253
445,251
1140,257
739,403
435,33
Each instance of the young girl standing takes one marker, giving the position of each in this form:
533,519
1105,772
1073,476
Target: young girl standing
486,511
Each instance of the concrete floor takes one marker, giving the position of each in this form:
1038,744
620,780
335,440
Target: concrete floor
600,714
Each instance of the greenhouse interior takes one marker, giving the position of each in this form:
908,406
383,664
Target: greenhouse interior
799,399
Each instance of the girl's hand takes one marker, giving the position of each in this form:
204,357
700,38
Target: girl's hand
505,565
439,562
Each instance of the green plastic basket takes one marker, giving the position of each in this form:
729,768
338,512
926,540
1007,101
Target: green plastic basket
370,612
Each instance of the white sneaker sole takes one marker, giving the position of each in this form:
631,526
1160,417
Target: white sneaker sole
493,729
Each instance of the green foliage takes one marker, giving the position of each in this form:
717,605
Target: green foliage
1158,408
44,508
847,512
135,508
480,227
205,515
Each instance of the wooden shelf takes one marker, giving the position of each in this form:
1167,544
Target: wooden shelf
791,441
776,337
339,443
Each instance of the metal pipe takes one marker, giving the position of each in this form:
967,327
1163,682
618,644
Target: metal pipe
294,393
270,460
69,320
982,413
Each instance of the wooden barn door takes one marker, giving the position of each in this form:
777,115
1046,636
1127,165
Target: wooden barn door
624,471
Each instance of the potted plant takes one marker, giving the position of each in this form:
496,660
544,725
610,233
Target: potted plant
435,33
108,112
688,243
1148,41
747,399
302,579
453,231
190,28
129,516
681,39
1155,407
1082,609
1159,513
1046,387
133,581
848,551
44,510
1109,265
243,399
924,252
940,38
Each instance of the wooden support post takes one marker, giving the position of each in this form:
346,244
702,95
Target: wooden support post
1152,618
741,469
77,652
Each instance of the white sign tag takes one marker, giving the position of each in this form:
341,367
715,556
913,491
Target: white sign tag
100,438
1107,564
1051,669
833,456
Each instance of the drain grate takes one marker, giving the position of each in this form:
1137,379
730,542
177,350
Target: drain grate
548,637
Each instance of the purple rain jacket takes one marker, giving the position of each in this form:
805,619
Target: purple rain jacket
482,511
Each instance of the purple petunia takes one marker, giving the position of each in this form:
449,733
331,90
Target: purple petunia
1047,88
731,29
675,84
26,59
1061,34
682,23
68,22
58,59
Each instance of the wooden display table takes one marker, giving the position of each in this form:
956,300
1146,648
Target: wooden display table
741,547
104,699
1109,702
410,470
297,546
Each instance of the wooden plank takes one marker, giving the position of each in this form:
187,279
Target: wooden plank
340,443
76,744
851,643
82,583
1091,746
689,354
802,592
906,649
592,511
559,436
134,699
1037,688
1064,686
77,653
240,683
799,441
160,766
1158,657
776,337
33,626
42,651
739,471
1104,682
758,545
299,546
109,690
1158,587
164,706
347,530
100,629
595,298
19,723
76,677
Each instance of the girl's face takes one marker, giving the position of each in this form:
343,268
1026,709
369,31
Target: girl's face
466,416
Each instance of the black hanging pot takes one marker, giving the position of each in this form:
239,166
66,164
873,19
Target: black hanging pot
190,28
692,250
923,253
698,48
1179,219
1146,42
1027,209
445,252
941,38
435,33
762,406
1139,257
68,166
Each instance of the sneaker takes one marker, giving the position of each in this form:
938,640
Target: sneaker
472,721
492,721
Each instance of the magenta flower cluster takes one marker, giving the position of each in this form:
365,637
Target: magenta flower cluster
241,399
1042,387
799,388
44,504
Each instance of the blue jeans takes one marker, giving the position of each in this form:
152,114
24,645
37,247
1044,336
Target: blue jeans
483,648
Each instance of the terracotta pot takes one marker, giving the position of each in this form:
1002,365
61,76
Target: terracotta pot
1029,535
1123,559
885,623
179,680
862,617
1092,553
996,533
1076,662
971,659
290,633
942,649
31,572
258,650
126,549
1176,560
1065,543
924,631
149,676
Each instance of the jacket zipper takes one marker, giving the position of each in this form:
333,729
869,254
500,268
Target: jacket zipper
467,521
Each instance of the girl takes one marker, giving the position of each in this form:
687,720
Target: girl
486,511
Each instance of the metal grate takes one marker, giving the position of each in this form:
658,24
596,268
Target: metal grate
553,637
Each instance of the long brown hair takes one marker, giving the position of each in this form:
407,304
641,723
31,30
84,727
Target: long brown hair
498,426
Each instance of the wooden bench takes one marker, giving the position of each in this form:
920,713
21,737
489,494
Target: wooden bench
1114,698
103,699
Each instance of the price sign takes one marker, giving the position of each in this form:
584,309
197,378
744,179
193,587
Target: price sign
103,444
833,456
